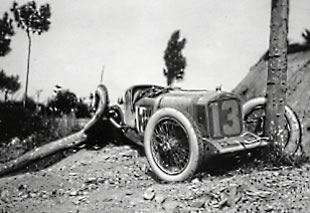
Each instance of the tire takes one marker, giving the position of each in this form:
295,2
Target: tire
255,123
179,144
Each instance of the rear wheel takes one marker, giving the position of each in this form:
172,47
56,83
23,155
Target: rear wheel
173,145
254,118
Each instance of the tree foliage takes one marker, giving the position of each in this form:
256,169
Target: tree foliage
82,110
6,32
9,83
64,102
30,18
175,62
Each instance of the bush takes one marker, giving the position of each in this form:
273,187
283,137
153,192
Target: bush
64,102
20,122
82,110
24,129
17,121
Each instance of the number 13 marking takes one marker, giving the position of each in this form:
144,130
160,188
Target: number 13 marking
225,118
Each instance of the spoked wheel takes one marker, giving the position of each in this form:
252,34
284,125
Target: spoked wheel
172,145
254,121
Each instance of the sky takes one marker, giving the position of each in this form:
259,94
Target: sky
127,39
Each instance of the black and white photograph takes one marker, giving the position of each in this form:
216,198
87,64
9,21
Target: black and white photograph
163,106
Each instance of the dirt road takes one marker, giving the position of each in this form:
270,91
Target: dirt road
117,179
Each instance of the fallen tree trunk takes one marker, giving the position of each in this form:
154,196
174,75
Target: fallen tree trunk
71,141
43,151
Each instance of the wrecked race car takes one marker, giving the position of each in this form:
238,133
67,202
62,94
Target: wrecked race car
181,129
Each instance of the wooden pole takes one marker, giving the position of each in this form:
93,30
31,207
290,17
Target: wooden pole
101,75
277,71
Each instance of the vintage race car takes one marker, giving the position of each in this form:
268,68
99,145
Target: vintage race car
181,129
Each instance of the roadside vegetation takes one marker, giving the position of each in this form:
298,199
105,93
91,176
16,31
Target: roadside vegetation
23,129
26,124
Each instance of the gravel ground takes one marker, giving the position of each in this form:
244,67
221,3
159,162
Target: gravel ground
118,179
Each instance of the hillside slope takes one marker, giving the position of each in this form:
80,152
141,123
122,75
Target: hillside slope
298,94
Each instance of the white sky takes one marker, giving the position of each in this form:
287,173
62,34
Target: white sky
128,37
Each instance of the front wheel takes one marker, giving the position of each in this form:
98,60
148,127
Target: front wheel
254,120
173,145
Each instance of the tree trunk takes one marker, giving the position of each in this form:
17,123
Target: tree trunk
28,68
170,78
43,151
6,93
277,71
